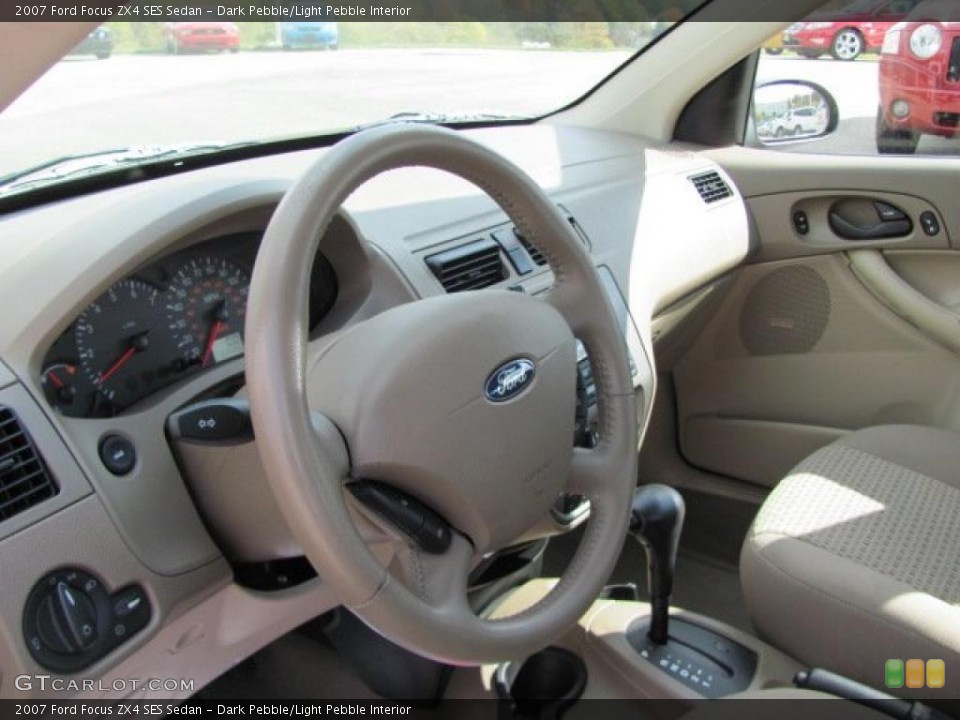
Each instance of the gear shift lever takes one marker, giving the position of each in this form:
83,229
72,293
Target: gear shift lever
656,522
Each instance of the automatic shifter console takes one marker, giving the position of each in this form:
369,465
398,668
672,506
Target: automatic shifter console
656,521
707,662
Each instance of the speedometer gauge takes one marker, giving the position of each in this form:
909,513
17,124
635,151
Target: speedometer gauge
206,309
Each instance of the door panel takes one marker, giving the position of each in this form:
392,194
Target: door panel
799,353
820,335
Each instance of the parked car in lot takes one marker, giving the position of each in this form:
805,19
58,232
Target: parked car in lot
310,34
774,46
197,36
846,30
919,83
795,123
99,43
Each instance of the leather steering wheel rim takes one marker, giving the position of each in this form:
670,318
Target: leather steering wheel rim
307,477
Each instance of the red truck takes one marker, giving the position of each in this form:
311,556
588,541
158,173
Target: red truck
920,80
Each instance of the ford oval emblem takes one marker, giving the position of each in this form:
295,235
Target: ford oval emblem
509,380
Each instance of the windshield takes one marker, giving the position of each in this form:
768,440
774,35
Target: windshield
202,85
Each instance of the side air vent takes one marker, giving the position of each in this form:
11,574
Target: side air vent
711,187
24,479
472,266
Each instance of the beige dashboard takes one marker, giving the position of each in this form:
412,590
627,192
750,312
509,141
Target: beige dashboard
661,222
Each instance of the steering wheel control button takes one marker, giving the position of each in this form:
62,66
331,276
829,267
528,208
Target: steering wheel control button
423,526
118,454
221,420
70,621
434,536
930,223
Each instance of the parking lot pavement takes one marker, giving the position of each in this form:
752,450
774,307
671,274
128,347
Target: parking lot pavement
84,105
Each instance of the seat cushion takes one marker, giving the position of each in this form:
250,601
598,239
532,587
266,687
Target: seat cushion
854,558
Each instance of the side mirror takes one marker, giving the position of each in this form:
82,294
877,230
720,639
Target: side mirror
792,110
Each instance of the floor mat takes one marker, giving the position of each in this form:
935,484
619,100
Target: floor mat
294,666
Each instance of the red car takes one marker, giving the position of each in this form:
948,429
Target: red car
846,30
195,36
919,84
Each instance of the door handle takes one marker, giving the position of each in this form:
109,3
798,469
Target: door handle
880,230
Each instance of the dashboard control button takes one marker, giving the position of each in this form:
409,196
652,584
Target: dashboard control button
128,601
521,261
930,223
67,621
507,239
118,454
70,621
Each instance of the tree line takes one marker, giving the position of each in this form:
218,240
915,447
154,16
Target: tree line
146,37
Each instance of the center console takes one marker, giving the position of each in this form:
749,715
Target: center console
629,649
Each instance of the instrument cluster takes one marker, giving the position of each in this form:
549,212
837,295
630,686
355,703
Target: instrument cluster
179,316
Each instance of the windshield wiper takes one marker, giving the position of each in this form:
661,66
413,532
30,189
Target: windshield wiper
435,118
70,166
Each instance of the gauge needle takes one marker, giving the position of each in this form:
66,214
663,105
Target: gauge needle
57,382
218,327
138,343
121,361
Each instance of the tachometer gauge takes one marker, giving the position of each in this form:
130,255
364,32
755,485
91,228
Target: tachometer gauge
206,308
116,343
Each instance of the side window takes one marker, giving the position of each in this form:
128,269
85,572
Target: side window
897,7
892,67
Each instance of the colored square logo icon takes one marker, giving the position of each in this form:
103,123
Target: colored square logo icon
893,672
936,673
915,672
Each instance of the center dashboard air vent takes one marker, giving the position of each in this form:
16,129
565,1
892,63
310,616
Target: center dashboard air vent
711,186
24,478
536,255
532,250
472,266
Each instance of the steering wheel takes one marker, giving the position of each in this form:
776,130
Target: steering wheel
411,398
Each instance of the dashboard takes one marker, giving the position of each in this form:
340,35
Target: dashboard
130,308
175,317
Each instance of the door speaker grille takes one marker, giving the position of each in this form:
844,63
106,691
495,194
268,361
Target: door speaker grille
786,312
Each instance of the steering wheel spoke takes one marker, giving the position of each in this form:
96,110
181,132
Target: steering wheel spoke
589,471
444,581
